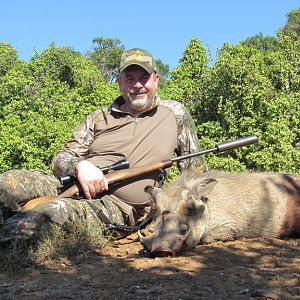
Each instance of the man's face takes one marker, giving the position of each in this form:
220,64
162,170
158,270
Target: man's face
138,88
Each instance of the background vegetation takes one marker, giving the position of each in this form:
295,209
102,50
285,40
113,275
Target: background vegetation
250,88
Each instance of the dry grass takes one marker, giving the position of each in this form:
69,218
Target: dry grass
77,240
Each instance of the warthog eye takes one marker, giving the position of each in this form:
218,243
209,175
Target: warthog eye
191,204
195,207
183,229
204,199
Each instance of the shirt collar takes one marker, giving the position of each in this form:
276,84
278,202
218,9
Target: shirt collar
116,105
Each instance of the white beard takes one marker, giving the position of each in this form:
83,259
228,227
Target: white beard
142,103
139,103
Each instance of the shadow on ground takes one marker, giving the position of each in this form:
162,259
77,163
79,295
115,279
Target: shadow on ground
243,269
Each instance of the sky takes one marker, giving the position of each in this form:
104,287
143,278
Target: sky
163,27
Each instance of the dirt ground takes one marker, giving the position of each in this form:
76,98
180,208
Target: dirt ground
244,269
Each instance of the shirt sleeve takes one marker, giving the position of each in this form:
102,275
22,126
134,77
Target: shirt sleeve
76,149
188,142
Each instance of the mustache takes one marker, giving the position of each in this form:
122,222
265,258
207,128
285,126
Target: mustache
138,91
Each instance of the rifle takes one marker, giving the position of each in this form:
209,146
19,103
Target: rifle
67,180
122,175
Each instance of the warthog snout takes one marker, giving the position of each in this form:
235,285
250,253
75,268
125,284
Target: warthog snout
161,251
164,244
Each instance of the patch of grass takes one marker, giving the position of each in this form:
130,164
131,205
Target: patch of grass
14,255
75,241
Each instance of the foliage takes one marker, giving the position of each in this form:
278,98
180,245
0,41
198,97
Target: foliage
251,88
106,54
185,79
8,57
292,26
250,91
41,103
261,42
164,72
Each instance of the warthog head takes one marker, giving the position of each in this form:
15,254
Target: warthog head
180,216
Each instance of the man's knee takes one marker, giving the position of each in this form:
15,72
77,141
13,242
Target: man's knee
18,186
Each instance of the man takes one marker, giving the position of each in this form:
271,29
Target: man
139,127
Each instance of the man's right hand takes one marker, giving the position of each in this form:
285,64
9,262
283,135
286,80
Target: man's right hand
91,178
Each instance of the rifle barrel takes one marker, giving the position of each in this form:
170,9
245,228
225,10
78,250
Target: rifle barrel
229,145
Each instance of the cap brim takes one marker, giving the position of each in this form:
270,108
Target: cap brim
146,67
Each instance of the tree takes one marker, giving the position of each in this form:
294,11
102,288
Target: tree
261,42
8,57
164,72
251,91
163,69
251,88
185,79
292,26
57,63
106,54
43,100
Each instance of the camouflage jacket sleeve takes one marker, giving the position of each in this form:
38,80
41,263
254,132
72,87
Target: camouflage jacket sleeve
187,136
66,160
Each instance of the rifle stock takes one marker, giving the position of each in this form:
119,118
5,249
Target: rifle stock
70,192
134,172
113,177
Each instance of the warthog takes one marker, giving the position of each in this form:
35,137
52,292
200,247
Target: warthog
220,206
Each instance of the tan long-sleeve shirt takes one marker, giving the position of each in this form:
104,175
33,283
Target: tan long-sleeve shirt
108,135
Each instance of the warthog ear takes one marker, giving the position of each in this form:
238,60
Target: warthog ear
152,191
203,186
206,186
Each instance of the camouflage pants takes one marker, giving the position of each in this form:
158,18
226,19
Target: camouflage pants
16,186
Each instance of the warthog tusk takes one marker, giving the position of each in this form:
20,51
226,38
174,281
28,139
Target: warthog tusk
186,235
141,236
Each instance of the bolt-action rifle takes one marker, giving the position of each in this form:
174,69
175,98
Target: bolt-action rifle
120,171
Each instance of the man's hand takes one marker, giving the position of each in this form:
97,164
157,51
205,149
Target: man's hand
91,179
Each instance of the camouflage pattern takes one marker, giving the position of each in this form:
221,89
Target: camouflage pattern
24,224
66,160
18,186
187,136
138,57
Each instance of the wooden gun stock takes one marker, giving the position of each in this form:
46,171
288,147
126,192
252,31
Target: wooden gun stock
73,190
113,177
135,172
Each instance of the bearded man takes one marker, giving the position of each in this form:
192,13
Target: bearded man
138,126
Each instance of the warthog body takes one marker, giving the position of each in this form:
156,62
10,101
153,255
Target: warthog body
220,206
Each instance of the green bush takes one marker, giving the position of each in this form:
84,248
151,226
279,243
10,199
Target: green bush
246,91
42,101
250,91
